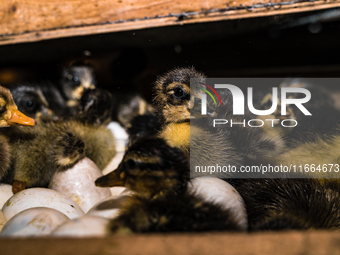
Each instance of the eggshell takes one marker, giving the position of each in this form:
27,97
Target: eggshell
221,192
40,197
3,220
120,134
108,207
86,226
78,184
5,193
39,221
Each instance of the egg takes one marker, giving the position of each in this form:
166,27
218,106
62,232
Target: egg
122,139
107,208
218,191
86,226
5,193
39,221
41,197
78,184
3,220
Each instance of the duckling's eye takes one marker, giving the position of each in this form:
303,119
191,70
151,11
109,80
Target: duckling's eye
30,103
75,78
179,93
131,163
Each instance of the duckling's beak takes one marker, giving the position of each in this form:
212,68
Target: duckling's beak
115,178
18,118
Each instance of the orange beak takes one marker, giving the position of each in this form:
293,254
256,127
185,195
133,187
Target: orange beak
19,118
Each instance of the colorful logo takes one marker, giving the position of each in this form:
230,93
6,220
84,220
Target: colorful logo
213,90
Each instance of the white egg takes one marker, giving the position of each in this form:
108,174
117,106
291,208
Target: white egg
40,197
5,193
85,226
221,192
39,221
78,184
120,134
3,220
108,207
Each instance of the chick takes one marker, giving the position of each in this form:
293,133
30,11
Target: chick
75,79
159,176
323,121
9,115
95,107
40,151
176,102
38,100
132,107
276,204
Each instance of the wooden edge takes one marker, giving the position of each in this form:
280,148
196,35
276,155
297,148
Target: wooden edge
160,22
291,242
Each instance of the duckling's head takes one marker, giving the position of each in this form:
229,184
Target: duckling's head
31,100
151,168
173,96
75,80
9,113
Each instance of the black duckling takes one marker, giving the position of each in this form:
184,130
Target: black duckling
75,79
50,146
131,107
38,99
277,204
224,145
44,102
159,176
95,107
9,115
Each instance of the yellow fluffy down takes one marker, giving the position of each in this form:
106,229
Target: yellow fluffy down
321,153
177,135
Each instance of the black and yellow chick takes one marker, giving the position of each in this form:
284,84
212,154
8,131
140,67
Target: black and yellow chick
224,145
9,115
159,176
277,204
75,79
50,146
38,100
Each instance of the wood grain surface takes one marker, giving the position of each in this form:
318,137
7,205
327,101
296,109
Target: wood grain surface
34,20
266,243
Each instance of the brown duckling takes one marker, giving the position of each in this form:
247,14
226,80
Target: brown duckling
50,146
162,202
75,79
9,115
39,100
238,145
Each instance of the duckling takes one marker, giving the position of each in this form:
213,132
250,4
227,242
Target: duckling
276,204
95,107
9,115
223,145
132,107
75,79
38,99
323,121
50,146
159,176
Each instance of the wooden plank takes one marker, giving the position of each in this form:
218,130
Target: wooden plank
265,243
34,20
